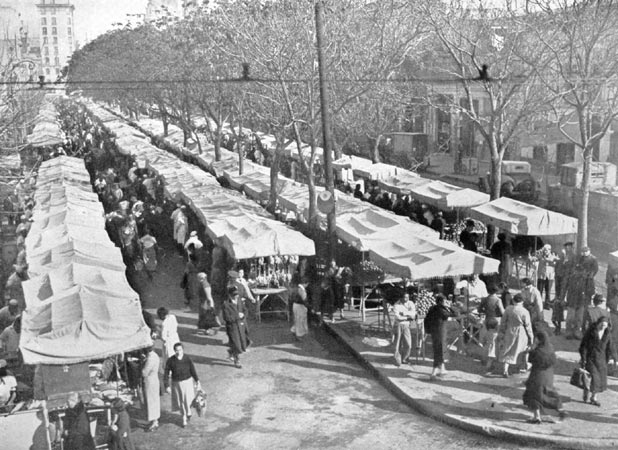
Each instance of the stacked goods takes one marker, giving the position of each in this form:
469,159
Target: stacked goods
424,300
367,272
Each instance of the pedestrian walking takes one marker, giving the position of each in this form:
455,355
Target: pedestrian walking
298,297
121,427
514,335
546,273
184,382
577,301
596,349
435,325
207,320
169,332
190,283
149,253
181,226
540,392
152,388
533,302
404,312
595,312
234,314
327,300
503,252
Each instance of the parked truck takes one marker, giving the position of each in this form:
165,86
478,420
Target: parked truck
566,197
517,182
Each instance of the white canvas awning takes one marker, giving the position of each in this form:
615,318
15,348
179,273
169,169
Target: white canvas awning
524,219
419,259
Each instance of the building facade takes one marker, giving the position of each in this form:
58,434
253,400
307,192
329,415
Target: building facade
57,35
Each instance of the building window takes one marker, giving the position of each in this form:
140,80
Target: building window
45,41
57,71
53,21
57,61
69,20
44,31
55,40
46,50
43,21
47,71
55,50
54,30
47,60
69,31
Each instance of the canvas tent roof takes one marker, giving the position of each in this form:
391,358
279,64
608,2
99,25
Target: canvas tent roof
421,259
261,239
73,274
447,196
351,162
524,219
78,251
82,324
371,226
377,171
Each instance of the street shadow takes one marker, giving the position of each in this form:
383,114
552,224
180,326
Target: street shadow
345,370
385,405
199,359
202,339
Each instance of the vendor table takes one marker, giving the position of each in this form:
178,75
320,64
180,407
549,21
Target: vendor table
273,294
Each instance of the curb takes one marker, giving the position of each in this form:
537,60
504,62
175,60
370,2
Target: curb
493,431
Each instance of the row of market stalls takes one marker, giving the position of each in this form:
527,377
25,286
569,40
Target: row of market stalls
399,246
79,305
237,224
402,247
47,131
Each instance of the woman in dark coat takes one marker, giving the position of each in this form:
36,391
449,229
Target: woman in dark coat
190,282
435,324
595,350
121,427
77,426
234,314
540,392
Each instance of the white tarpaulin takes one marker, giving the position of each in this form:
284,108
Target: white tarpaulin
364,229
447,196
418,259
377,171
524,219
82,324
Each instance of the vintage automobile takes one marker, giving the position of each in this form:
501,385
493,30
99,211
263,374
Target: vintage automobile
517,182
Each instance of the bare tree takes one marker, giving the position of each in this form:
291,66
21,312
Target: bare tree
499,74
583,78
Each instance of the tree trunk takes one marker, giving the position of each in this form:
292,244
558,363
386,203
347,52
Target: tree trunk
239,145
166,124
582,232
375,152
218,143
312,216
274,177
496,176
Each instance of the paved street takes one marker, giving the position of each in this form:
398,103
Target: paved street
288,395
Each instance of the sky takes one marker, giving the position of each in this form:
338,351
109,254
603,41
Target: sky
91,17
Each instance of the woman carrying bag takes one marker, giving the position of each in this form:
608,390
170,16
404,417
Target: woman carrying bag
596,349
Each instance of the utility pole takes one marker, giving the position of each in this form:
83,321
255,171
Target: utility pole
326,130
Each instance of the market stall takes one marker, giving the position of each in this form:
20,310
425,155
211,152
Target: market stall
523,219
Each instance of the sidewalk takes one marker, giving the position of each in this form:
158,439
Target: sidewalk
490,405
